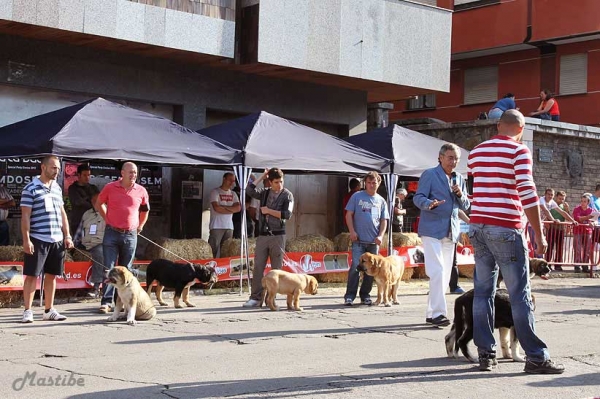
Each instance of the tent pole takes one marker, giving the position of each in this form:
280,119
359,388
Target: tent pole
391,180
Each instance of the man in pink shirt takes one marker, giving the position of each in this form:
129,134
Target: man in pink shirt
124,205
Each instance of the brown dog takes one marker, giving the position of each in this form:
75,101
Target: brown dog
387,273
290,284
131,296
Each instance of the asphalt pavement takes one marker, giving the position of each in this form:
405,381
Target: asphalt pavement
218,349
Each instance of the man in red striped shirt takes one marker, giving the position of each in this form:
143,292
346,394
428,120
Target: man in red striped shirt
500,170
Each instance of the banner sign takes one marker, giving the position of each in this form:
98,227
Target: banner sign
15,174
78,274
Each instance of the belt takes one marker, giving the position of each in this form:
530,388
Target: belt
122,231
273,233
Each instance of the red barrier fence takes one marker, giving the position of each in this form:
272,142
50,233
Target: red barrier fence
573,245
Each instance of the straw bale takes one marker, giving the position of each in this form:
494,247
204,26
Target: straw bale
340,277
231,247
190,249
309,243
466,270
342,243
14,253
80,257
408,273
419,272
11,253
11,299
406,239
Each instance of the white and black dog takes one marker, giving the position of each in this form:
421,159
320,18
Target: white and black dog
461,333
180,276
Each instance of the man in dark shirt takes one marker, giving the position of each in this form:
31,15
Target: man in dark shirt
80,195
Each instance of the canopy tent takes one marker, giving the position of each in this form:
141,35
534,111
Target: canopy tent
271,141
268,140
410,153
100,129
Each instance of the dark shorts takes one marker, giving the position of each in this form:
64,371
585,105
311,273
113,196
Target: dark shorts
47,257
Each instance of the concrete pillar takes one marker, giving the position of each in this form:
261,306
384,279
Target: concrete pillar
378,115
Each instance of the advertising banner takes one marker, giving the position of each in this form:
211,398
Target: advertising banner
77,274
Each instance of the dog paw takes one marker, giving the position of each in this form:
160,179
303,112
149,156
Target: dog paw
518,359
163,304
396,303
178,307
299,309
376,303
388,305
112,318
190,305
132,322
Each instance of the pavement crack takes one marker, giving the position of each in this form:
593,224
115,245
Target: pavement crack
100,376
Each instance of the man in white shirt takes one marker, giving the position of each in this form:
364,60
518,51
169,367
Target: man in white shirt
223,204
548,204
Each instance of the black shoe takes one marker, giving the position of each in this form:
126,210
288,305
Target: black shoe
440,321
577,269
585,269
367,301
487,363
545,367
429,320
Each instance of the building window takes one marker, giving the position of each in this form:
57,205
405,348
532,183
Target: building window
573,74
421,102
481,85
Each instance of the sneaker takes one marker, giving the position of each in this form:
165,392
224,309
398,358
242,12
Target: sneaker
440,321
348,302
105,309
366,301
545,367
27,316
487,363
52,314
457,291
429,320
251,303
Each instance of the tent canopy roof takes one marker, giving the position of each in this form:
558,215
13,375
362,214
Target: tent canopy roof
100,129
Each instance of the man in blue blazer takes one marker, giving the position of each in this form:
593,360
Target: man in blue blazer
441,193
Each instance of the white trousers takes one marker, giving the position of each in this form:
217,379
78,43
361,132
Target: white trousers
438,266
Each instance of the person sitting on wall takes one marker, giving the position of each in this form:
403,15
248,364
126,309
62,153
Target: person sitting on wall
504,104
548,109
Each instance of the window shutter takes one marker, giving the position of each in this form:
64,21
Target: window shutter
421,102
481,85
573,74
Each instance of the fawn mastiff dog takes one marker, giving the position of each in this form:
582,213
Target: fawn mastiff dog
387,273
290,284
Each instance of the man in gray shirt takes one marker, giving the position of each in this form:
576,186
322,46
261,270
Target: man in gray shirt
276,206
367,219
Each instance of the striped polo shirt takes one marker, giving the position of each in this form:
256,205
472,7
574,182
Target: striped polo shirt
45,203
502,182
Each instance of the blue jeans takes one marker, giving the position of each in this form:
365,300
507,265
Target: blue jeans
121,246
354,275
504,248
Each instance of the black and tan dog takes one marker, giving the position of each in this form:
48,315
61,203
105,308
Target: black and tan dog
537,267
461,332
180,276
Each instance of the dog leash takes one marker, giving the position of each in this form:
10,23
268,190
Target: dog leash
174,254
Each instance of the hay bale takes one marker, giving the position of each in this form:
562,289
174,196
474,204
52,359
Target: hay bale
14,253
9,299
231,247
191,249
419,272
406,239
11,253
342,243
341,277
408,273
466,271
80,257
309,243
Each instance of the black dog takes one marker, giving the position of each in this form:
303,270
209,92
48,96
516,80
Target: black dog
180,276
461,332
